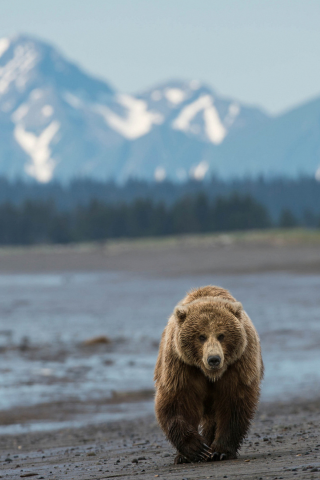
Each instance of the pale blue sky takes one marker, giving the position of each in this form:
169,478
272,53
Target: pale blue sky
265,52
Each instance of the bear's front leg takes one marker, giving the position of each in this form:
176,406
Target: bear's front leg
180,423
233,416
187,440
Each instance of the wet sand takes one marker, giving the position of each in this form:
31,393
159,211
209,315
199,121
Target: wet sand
284,442
255,252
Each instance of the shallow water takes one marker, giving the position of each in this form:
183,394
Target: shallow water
45,318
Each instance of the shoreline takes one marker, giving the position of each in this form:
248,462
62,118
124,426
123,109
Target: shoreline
295,251
38,417
122,406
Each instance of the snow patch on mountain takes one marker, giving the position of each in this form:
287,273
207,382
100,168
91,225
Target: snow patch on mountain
20,113
42,165
175,95
47,110
199,171
214,128
17,69
72,100
139,119
160,174
4,45
233,112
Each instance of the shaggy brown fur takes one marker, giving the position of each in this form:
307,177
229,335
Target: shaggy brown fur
205,411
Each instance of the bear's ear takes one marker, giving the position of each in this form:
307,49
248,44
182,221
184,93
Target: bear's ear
181,313
236,308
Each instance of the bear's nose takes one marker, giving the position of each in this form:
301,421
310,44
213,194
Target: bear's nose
214,361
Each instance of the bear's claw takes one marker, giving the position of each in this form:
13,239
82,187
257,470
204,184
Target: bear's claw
179,459
219,456
205,455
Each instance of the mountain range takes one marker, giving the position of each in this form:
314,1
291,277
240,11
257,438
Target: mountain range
59,123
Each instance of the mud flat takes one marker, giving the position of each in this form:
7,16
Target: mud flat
118,437
284,442
254,252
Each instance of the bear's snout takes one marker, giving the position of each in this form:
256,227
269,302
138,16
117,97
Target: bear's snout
214,361
213,357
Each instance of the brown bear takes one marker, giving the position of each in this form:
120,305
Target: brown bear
207,376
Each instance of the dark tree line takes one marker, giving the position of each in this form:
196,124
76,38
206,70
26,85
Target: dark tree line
36,222
300,195
42,222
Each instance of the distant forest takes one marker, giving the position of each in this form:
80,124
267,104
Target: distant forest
40,221
300,196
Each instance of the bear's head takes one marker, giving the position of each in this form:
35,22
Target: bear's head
210,334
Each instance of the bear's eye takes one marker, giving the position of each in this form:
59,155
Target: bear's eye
202,338
221,337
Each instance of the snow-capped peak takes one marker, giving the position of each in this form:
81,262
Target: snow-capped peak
25,61
59,122
194,109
